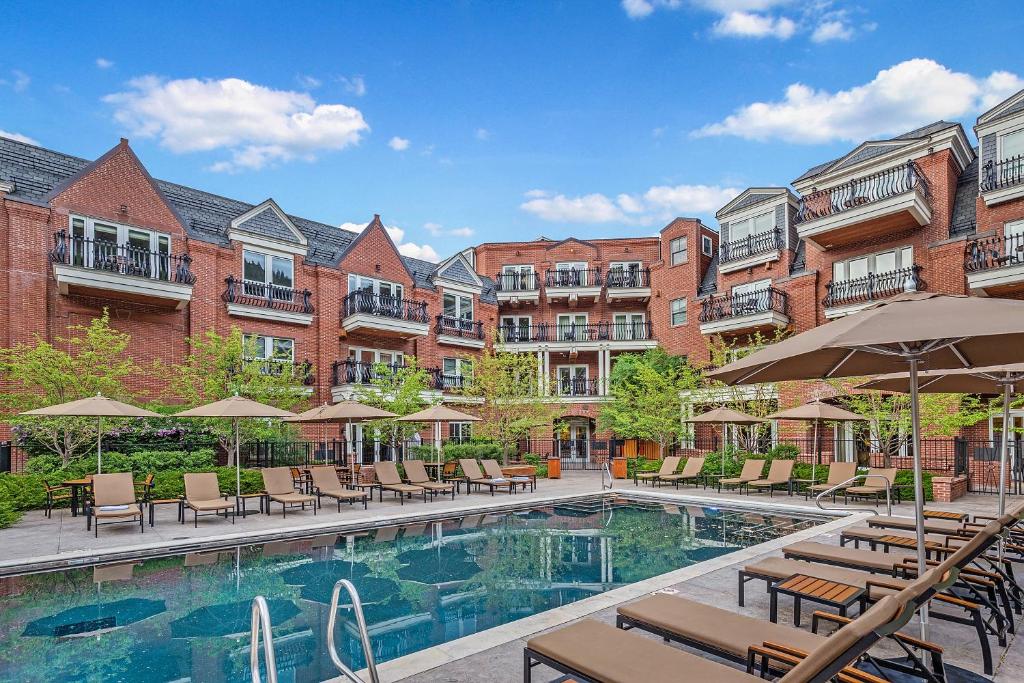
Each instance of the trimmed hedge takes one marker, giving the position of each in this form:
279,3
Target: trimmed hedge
478,450
8,515
51,467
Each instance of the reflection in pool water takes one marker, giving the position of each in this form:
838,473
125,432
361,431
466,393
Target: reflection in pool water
181,617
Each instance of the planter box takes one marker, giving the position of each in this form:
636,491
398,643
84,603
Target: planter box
554,468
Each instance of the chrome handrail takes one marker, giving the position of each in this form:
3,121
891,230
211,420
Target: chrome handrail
260,623
364,635
605,470
840,485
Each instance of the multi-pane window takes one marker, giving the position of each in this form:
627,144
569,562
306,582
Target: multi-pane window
459,432
120,248
263,347
517,278
572,380
761,223
571,274
570,325
873,264
1011,145
678,312
625,274
706,245
515,328
261,271
628,326
458,306
360,283
677,250
457,367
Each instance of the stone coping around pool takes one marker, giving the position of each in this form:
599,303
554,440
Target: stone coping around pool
140,551
439,655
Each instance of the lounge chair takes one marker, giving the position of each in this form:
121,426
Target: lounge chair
668,466
779,474
450,475
280,488
874,485
417,475
691,472
493,472
592,651
838,472
388,480
751,472
931,526
113,498
475,477
203,495
55,493
326,483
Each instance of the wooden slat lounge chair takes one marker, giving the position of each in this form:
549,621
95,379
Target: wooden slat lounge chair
450,474
691,472
592,651
417,475
475,477
751,472
280,488
838,472
779,474
493,471
113,498
55,493
668,466
931,526
388,480
873,485
325,482
203,495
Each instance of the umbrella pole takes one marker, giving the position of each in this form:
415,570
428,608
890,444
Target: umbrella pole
437,447
99,444
918,483
817,452
238,465
723,449
1004,450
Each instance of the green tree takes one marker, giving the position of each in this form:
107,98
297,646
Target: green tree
646,396
91,360
219,366
400,391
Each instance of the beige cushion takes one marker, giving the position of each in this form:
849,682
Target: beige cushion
293,497
202,486
113,489
403,488
868,559
132,511
343,494
278,481
203,505
931,526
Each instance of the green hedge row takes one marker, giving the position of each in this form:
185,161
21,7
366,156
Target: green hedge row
50,466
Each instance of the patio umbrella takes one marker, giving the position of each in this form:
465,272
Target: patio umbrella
98,406
343,411
437,415
235,407
228,618
905,332
89,619
816,412
725,416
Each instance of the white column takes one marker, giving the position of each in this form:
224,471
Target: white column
547,369
607,353
540,371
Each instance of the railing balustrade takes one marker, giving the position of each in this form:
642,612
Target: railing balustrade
273,367
351,371
517,282
751,245
569,278
873,286
577,332
577,386
448,382
265,295
626,278
996,175
994,251
122,259
727,306
364,301
860,191
459,327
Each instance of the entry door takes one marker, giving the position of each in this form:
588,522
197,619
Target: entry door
579,439
628,326
572,327
572,380
845,446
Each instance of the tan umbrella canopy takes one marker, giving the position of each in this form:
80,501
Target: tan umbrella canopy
235,407
816,412
344,411
935,330
725,416
438,414
98,406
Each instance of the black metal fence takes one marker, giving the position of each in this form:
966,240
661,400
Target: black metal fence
574,454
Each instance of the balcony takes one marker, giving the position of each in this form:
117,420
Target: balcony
517,288
628,285
459,332
96,267
364,311
301,371
746,312
995,264
621,336
572,285
576,387
264,301
751,250
448,383
876,205
1002,180
849,296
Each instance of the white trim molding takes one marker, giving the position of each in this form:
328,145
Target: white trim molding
980,280
572,294
265,313
749,261
398,326
843,311
469,342
153,288
529,296
912,201
745,322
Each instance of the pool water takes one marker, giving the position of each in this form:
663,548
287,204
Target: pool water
186,617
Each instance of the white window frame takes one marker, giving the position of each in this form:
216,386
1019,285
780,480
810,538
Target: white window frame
572,368
707,245
460,432
672,251
268,347
459,363
749,225
355,281
560,326
672,312
268,272
626,265
999,141
513,269
460,300
904,258
356,353
89,233
619,332
751,287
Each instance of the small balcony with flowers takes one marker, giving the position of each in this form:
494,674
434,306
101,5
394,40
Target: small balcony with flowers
745,310
385,314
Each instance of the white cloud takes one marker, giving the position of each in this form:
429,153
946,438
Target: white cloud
257,125
659,203
638,9
900,98
18,137
410,249
591,208
398,144
308,82
482,134
103,63
831,30
750,25
355,85
18,82
438,230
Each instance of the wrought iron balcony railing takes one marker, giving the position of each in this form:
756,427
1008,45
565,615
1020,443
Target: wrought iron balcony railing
350,371
274,367
751,245
860,191
459,327
577,332
576,386
727,306
448,382
573,277
249,293
384,306
517,282
995,175
873,286
995,251
122,259
620,278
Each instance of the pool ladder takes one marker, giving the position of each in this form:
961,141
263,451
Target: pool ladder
261,625
842,485
606,474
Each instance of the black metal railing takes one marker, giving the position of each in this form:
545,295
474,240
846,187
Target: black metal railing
625,278
123,259
459,327
996,175
576,386
573,277
751,245
517,282
575,454
860,191
577,332
873,286
262,294
448,382
994,251
350,371
384,306
273,367
736,305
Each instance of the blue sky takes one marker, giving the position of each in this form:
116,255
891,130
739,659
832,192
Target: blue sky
465,122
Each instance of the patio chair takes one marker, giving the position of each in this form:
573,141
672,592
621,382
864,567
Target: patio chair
144,488
691,472
668,466
325,482
493,471
113,498
203,495
474,476
450,474
838,472
388,479
300,479
751,472
55,494
417,475
874,485
277,482
779,474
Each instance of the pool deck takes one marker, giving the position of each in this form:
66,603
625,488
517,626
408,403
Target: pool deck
495,653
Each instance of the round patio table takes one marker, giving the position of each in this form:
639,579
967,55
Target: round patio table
78,488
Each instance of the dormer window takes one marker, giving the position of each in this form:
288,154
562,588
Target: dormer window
459,307
266,274
359,283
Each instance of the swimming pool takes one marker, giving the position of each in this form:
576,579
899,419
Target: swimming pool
186,617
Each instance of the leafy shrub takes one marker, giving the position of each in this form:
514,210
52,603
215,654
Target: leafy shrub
22,491
906,478
635,465
784,451
139,462
479,450
171,483
425,452
8,515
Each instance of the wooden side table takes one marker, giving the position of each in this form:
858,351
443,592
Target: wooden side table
801,587
909,543
945,514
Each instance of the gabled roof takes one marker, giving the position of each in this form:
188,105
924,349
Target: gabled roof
376,224
752,196
559,243
457,269
268,220
1013,104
